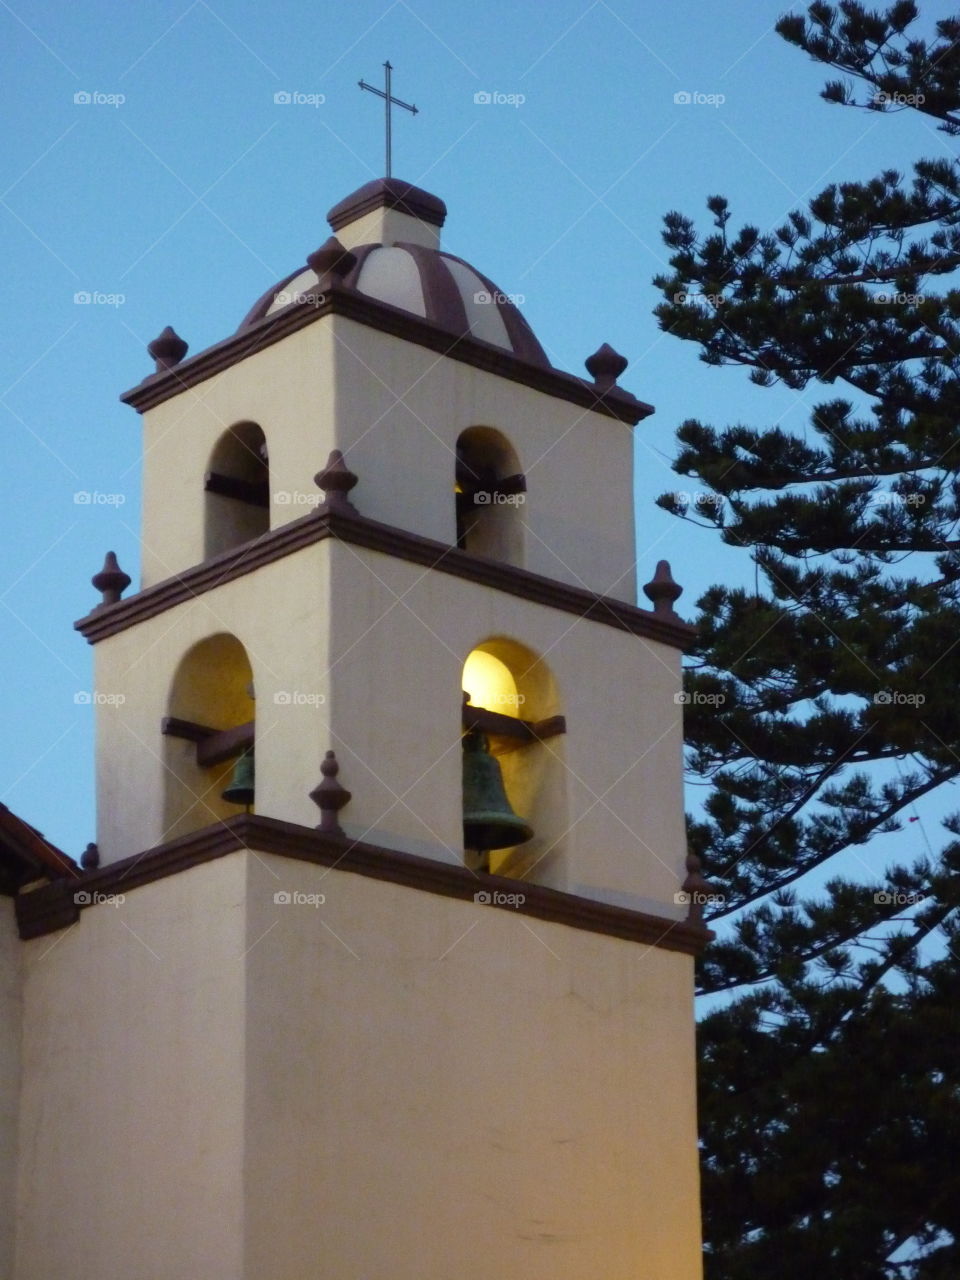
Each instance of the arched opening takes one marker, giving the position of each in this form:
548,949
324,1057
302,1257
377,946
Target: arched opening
209,723
490,491
237,487
513,702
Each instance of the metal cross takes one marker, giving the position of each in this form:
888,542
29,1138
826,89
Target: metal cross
389,100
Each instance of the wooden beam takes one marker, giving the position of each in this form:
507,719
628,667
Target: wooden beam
213,745
254,492
501,726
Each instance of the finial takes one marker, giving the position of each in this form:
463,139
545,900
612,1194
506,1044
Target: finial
111,580
331,261
330,797
336,480
696,887
168,349
662,590
90,858
605,366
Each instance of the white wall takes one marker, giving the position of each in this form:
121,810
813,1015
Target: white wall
132,1159
10,1032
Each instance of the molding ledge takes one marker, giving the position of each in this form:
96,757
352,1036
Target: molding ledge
56,906
106,620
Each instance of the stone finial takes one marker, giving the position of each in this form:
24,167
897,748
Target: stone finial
662,590
111,580
336,480
605,366
168,349
331,262
90,858
696,887
330,797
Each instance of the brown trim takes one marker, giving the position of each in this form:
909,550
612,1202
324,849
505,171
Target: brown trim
339,300
254,492
403,545
54,906
388,193
26,853
497,723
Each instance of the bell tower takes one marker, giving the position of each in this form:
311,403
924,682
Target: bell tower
390,786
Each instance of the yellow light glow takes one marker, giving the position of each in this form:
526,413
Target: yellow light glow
490,684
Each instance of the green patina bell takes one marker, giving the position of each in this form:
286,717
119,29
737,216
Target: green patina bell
240,790
488,820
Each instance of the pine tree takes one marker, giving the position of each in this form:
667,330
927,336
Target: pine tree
824,703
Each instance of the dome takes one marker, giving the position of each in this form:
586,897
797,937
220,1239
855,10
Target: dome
413,277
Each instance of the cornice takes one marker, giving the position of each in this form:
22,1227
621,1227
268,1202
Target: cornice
612,402
56,906
106,620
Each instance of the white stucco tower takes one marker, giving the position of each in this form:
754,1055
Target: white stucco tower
365,1050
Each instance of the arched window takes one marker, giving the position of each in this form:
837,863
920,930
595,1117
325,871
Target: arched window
209,723
512,702
490,493
237,488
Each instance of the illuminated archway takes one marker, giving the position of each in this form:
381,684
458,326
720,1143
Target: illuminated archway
508,682
211,690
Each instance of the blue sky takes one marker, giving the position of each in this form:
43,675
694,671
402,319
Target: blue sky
194,193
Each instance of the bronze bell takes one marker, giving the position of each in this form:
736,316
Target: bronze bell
240,790
488,820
